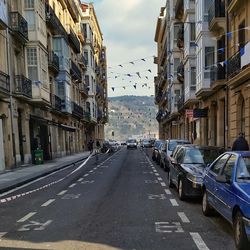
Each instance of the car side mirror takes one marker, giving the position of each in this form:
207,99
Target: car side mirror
222,179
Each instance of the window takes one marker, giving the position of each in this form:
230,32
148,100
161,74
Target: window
180,155
228,169
176,64
29,4
219,164
32,63
209,57
193,76
86,56
87,80
192,32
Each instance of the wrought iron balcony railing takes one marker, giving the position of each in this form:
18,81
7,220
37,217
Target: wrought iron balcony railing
234,65
180,73
86,116
180,37
53,61
180,102
4,82
82,61
75,71
217,73
54,22
56,102
77,110
99,90
74,41
217,9
84,89
19,25
23,86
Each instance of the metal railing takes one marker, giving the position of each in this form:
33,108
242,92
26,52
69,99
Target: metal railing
180,73
74,41
53,60
19,25
77,110
180,102
75,71
4,81
23,86
217,73
217,9
234,65
56,102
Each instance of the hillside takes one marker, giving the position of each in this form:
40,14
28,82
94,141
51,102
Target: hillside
131,116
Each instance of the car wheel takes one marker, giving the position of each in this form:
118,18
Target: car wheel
206,208
240,236
170,183
181,190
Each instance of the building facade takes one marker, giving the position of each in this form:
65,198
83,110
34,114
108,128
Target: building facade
212,95
43,90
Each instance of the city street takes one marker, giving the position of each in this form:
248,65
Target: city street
115,201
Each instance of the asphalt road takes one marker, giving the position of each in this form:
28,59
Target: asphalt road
120,202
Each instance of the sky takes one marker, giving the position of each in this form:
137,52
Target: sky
128,28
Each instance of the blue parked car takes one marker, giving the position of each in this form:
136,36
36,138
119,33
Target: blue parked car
226,188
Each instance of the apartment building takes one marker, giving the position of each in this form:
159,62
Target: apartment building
212,100
43,93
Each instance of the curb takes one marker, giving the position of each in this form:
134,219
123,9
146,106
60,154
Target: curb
15,185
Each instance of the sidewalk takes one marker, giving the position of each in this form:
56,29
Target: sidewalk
13,178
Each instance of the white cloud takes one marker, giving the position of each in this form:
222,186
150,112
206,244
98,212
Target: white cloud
128,27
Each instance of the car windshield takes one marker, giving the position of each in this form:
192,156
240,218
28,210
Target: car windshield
243,170
132,141
200,156
173,144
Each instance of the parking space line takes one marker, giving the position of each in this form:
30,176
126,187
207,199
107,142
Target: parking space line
199,241
86,175
81,179
174,202
167,191
163,184
47,203
183,217
157,174
71,186
26,217
63,192
2,235
160,179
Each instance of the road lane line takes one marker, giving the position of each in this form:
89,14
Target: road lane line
86,175
47,203
163,184
71,186
167,191
183,217
91,171
2,235
174,202
160,179
26,217
81,179
157,174
63,192
199,241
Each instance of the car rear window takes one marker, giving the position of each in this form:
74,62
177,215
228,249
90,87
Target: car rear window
243,170
132,141
173,144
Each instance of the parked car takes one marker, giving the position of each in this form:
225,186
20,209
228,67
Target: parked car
226,189
155,150
167,150
187,168
131,143
145,143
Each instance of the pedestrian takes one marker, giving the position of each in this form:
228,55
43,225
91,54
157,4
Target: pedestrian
90,145
98,145
240,144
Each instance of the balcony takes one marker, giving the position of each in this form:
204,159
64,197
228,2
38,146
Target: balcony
99,115
180,37
23,88
179,9
74,41
4,83
86,116
99,91
234,65
20,26
158,97
54,23
82,61
216,16
73,9
180,73
53,62
180,103
155,60
75,72
77,110
66,105
56,102
217,76
84,89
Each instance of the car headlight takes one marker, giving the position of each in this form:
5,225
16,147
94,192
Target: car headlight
195,178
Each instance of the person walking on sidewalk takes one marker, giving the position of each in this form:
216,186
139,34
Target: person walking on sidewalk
240,144
90,146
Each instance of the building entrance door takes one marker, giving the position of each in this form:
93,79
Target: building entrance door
2,158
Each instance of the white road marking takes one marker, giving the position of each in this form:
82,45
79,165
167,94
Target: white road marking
163,184
2,235
81,179
159,179
150,181
157,174
91,171
166,227
86,175
26,217
155,196
174,202
71,196
47,203
63,192
87,182
34,225
183,217
199,241
71,186
167,191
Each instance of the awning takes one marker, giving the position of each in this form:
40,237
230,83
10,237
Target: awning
68,128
